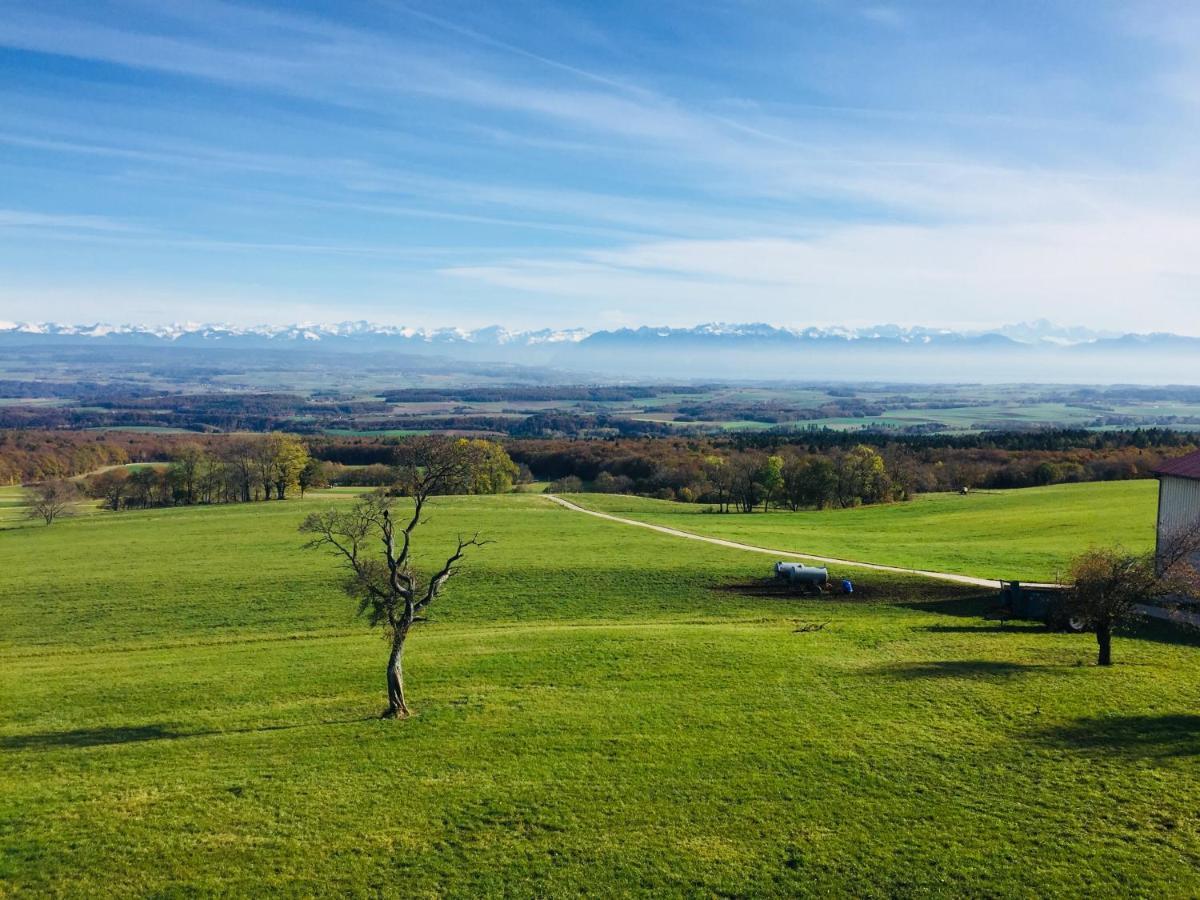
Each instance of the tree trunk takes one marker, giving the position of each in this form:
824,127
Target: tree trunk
1104,639
397,708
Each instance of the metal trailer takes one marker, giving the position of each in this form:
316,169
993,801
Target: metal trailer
1040,603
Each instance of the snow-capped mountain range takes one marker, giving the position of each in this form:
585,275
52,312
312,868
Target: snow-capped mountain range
1030,351
339,332
343,333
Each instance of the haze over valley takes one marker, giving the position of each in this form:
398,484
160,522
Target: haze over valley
1037,351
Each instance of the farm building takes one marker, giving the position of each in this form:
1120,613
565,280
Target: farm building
1178,498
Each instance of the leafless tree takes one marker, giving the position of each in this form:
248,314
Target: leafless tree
720,476
50,500
1178,555
188,464
388,588
1177,564
239,458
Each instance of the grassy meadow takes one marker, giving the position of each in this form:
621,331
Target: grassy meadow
1028,534
189,707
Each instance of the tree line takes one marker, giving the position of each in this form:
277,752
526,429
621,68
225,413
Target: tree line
676,467
248,468
748,480
739,475
242,469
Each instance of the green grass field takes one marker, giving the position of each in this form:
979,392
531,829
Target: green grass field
1028,534
189,707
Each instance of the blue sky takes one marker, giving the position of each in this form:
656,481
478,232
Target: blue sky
600,164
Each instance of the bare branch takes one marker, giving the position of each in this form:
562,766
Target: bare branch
376,554
449,569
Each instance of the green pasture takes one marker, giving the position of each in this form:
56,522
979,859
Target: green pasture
383,432
1027,534
189,708
12,504
142,429
33,401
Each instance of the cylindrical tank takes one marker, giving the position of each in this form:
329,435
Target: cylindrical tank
798,573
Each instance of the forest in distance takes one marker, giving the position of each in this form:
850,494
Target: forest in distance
213,390
734,470
594,411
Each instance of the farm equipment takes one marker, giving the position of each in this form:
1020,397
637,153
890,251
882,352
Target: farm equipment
1040,603
810,578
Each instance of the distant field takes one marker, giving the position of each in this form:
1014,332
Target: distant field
386,432
326,395
12,505
13,509
1028,534
32,401
143,429
189,708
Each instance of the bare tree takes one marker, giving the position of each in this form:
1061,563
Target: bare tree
1177,562
720,476
239,457
187,464
50,500
1178,556
389,590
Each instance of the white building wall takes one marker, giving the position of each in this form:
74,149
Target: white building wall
1178,505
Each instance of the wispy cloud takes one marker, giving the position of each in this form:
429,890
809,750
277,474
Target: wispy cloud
904,161
970,274
26,219
888,16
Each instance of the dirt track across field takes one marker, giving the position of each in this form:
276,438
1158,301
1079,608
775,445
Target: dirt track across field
781,554
1187,617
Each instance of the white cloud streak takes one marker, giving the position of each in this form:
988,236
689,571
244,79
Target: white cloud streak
858,275
753,213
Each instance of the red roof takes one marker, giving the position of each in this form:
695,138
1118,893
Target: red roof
1183,467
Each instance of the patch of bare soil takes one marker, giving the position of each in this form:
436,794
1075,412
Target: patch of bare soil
868,590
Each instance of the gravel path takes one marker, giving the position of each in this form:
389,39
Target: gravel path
780,554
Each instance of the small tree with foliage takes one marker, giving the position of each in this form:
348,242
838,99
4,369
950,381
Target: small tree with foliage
110,486
50,500
569,484
862,477
1109,587
314,476
770,474
288,457
491,470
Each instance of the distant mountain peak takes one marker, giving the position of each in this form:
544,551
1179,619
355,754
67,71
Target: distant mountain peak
1038,350
1034,332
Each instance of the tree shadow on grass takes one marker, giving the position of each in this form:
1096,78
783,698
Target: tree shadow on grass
1162,632
868,588
987,627
959,668
99,737
1128,736
88,737
976,605
972,605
